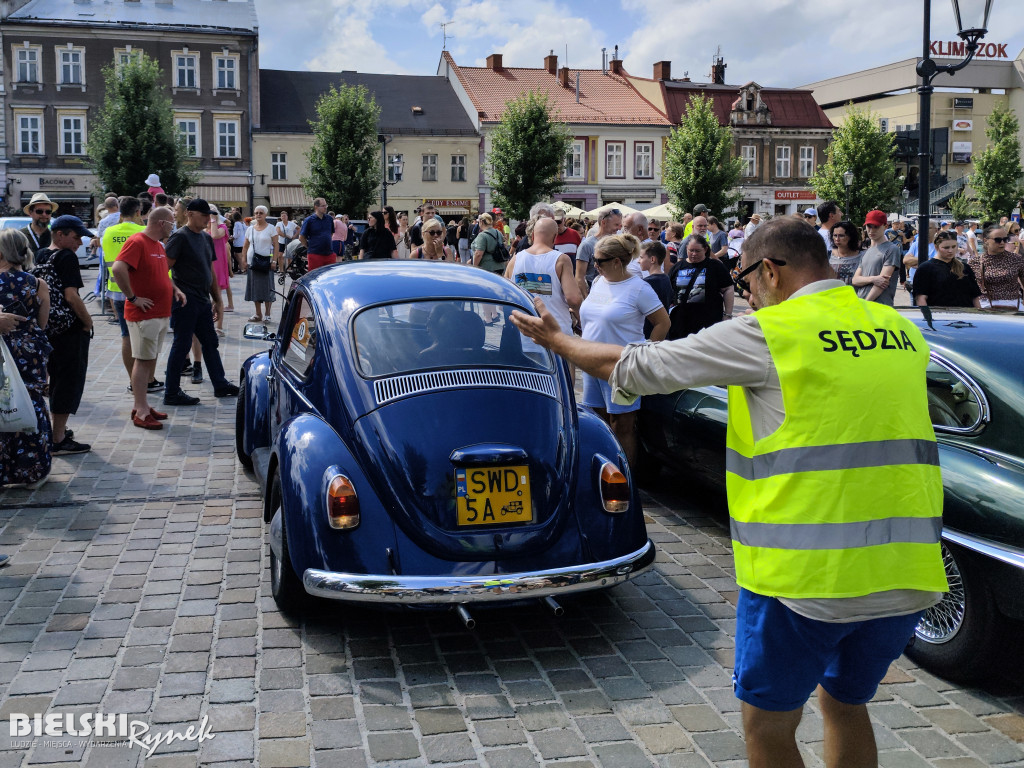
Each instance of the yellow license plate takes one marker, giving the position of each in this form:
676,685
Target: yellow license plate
493,495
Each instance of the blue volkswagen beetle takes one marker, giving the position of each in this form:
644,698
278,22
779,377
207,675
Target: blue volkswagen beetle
415,449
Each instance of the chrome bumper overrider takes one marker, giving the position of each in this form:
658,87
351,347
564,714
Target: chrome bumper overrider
426,590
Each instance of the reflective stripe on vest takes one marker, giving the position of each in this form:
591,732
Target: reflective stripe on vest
869,533
818,458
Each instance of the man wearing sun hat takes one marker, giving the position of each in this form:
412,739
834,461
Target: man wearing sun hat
873,278
41,209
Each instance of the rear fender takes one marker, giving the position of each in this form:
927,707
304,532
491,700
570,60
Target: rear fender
608,535
308,454
256,391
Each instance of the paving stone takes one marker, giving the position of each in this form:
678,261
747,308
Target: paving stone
493,733
559,743
440,720
448,748
336,734
721,745
623,755
284,753
392,746
387,718
602,728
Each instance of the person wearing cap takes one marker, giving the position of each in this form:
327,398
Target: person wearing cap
753,224
567,240
153,186
41,209
69,361
190,255
963,244
698,210
873,279
811,216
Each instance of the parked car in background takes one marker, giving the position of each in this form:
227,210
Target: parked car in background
414,450
976,400
86,257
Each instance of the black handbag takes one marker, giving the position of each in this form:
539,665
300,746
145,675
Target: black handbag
261,263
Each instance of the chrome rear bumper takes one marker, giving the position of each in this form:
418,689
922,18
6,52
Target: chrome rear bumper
440,590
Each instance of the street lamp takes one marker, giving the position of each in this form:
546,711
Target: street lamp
972,24
905,194
848,182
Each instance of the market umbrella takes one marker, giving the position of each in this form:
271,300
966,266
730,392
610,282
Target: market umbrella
569,210
660,212
598,211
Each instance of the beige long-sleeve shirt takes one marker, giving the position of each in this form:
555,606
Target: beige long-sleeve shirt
735,353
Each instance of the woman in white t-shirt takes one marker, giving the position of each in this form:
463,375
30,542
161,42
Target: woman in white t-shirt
614,312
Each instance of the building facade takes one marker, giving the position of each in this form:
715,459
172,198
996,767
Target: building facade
780,133
54,54
618,135
429,147
960,107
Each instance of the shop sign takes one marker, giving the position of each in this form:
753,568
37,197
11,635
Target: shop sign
56,182
795,194
963,125
450,203
963,102
957,49
962,151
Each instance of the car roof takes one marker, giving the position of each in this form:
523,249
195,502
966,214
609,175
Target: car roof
987,338
350,286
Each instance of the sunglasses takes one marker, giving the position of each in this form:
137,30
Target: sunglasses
43,211
432,232
599,262
652,229
742,284
999,239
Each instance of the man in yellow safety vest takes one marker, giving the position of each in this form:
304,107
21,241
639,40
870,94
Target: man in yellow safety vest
114,238
835,511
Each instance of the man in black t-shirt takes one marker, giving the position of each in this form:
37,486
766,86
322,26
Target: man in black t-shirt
41,209
69,360
190,254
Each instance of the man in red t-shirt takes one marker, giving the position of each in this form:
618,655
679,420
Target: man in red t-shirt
141,271
567,240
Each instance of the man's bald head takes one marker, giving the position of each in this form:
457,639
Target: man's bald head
161,213
545,231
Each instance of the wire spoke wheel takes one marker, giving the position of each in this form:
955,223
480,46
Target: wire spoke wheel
941,622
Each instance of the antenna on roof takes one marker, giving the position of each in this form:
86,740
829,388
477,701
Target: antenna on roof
444,33
567,54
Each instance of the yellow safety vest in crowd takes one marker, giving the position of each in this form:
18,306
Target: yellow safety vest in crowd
845,498
114,238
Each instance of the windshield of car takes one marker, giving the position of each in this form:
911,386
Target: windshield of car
451,333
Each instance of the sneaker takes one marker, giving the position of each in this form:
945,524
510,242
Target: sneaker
154,386
197,373
69,446
180,398
69,433
187,367
228,390
4,559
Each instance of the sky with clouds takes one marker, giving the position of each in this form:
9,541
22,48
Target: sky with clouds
775,42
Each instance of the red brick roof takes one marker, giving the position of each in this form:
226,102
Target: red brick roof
604,97
791,108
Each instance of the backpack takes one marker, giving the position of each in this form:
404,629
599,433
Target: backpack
500,253
62,316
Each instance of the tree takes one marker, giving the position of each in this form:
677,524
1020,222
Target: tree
698,165
859,146
527,157
997,171
344,161
961,206
134,133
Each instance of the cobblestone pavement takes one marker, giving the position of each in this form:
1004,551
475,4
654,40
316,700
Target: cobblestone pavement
138,585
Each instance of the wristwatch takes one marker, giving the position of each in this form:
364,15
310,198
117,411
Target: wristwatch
130,299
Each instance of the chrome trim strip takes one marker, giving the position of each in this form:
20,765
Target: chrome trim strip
984,412
395,387
1001,552
440,590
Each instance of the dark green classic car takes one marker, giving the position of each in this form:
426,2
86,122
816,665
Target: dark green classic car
976,400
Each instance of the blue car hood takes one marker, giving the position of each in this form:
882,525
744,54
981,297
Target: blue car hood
411,443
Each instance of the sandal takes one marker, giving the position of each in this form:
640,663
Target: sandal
255,318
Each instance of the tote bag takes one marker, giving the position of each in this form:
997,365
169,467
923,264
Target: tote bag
16,411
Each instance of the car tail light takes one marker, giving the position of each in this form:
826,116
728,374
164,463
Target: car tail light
342,504
614,488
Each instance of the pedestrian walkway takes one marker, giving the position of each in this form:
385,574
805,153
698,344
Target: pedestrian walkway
139,586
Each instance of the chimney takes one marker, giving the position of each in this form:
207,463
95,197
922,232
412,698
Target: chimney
563,77
616,66
663,70
494,62
718,70
551,63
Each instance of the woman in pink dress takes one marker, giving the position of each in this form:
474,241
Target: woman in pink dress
221,265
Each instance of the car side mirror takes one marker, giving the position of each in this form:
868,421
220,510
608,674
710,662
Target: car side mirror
258,332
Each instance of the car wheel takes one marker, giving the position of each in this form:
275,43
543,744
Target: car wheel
244,458
957,637
285,585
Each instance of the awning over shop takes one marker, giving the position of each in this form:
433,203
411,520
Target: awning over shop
228,194
289,196
451,206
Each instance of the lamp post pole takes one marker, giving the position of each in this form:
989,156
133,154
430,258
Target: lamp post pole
848,183
927,70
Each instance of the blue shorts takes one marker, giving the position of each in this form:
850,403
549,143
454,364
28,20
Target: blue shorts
597,393
336,247
781,656
119,311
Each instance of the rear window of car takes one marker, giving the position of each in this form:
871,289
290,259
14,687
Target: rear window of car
416,336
